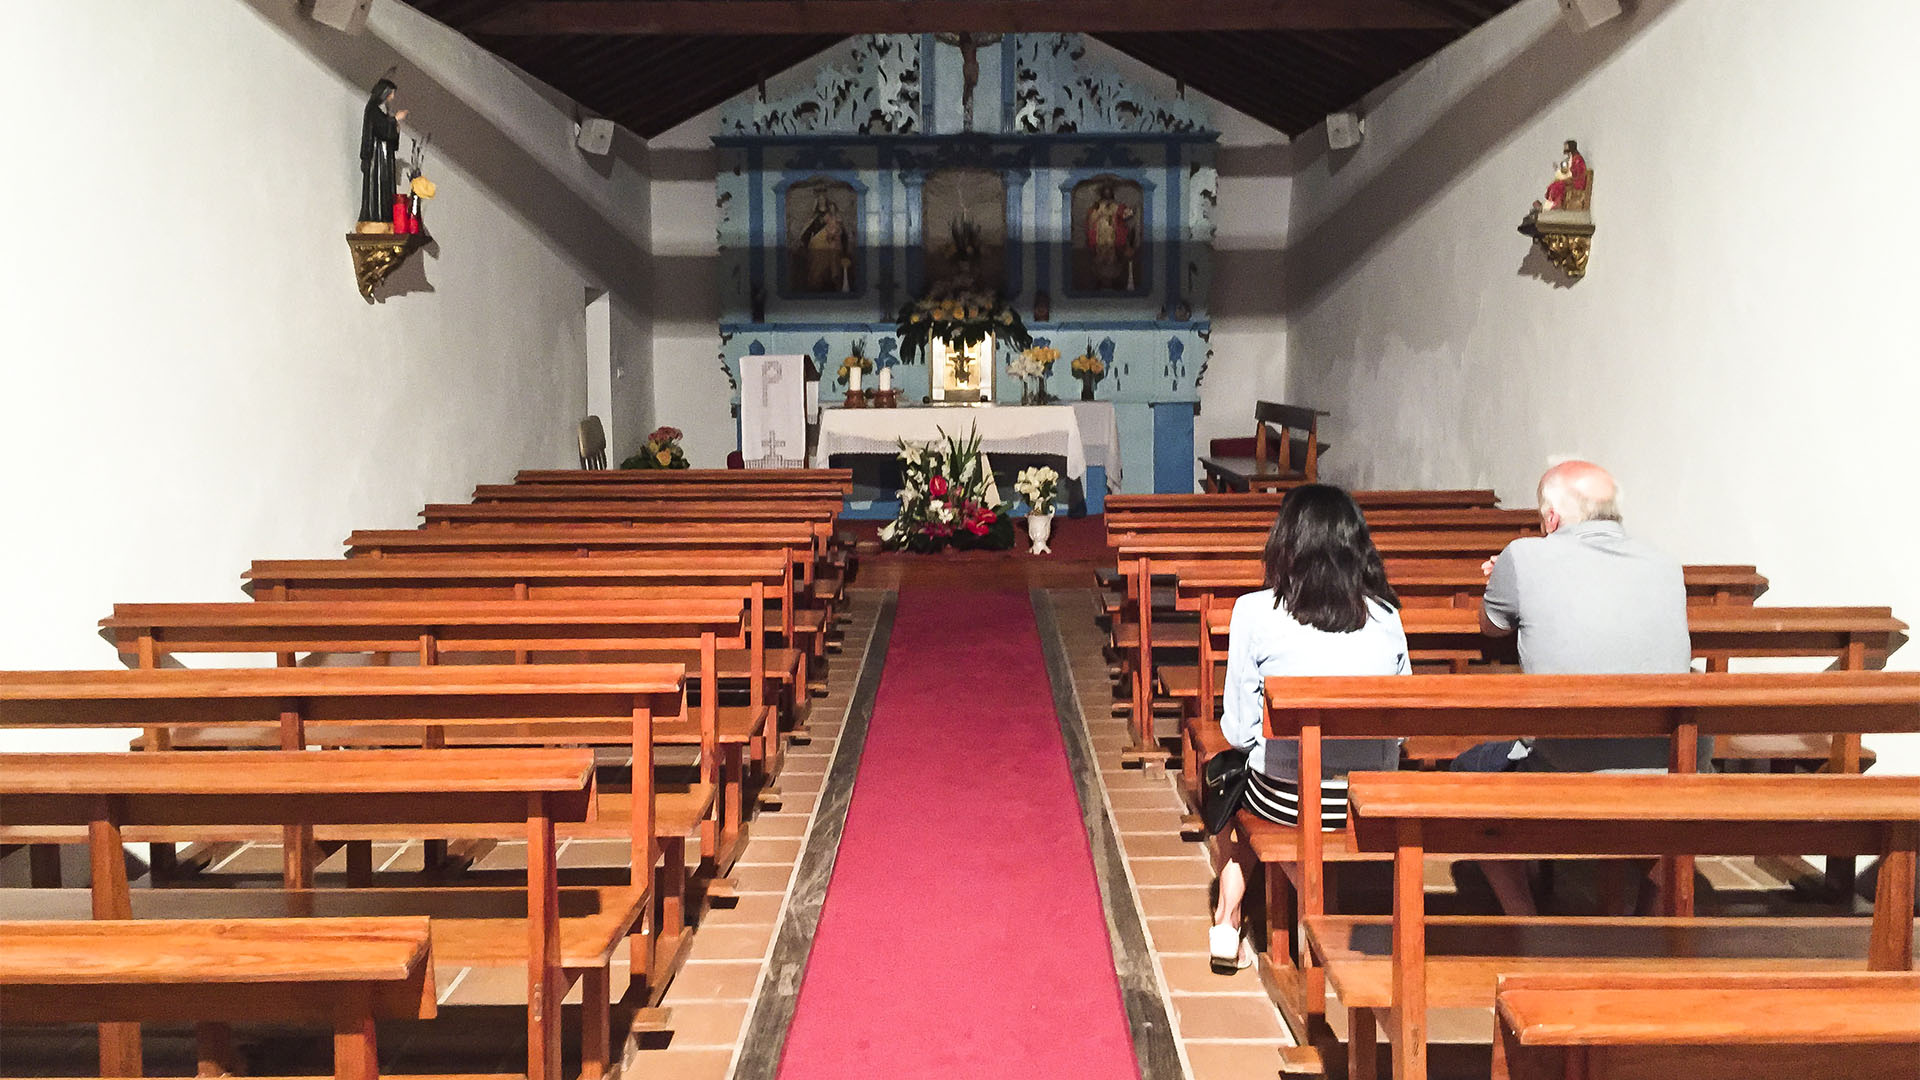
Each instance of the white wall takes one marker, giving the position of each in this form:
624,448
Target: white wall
188,378
1249,328
1740,352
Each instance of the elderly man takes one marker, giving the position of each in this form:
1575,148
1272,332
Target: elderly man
1584,598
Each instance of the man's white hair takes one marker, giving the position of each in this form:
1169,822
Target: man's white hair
1590,493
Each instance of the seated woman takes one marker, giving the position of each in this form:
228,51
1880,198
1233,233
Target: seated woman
1327,610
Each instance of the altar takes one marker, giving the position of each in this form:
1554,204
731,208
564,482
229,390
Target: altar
1084,435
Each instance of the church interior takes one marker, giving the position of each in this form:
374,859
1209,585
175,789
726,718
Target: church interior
570,422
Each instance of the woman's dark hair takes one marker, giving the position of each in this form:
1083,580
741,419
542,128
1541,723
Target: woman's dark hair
1321,562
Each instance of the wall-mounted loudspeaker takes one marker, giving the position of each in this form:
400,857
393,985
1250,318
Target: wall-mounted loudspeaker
1344,130
347,15
594,136
1587,14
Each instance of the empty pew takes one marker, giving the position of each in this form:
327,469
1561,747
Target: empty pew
688,632
839,479
339,974
1396,965
560,935
1369,499
1279,456
1607,1024
1676,708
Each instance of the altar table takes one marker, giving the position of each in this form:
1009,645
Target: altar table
1075,433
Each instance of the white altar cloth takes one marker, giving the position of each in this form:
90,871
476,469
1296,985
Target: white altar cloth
1004,429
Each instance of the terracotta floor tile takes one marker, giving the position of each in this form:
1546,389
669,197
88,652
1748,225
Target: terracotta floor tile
1195,975
491,986
1143,798
753,909
745,942
1157,821
1207,1016
1176,901
1180,871
750,879
678,1064
505,856
1180,934
581,853
785,824
707,1023
1167,845
806,784
771,849
1232,1061
710,980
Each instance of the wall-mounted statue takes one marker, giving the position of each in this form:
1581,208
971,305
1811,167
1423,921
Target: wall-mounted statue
379,141
1562,223
1569,189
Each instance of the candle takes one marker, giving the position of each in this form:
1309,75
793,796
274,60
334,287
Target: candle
886,379
853,379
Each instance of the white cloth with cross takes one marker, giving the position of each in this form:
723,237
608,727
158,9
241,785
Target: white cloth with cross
773,419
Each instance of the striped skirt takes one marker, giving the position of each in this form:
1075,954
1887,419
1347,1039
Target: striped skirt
1279,800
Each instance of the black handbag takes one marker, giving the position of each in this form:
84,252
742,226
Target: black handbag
1223,787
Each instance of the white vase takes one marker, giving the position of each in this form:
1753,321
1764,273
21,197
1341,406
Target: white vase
1039,529
886,379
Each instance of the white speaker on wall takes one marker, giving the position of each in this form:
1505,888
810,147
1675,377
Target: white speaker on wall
346,15
1587,14
594,136
1344,130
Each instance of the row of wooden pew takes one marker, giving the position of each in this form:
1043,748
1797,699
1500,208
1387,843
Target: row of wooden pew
1555,984
631,676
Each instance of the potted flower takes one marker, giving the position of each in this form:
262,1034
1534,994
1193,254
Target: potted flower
1041,486
945,500
661,451
1088,368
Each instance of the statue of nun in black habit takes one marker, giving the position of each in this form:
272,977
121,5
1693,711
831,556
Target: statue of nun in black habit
379,141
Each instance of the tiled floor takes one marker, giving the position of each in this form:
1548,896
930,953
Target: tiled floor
1225,1024
713,995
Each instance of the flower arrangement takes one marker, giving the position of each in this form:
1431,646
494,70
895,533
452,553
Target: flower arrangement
960,319
945,502
857,360
1041,486
1088,365
661,451
1033,363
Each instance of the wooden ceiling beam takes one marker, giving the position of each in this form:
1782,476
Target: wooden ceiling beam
849,17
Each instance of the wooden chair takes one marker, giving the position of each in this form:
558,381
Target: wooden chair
342,974
1607,1024
593,444
1278,456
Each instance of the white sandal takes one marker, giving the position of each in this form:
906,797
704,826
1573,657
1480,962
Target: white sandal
1228,950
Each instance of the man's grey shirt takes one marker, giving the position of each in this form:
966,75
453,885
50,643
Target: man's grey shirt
1588,599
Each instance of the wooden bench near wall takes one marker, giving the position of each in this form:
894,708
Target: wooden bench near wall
113,798
1676,708
1392,967
839,479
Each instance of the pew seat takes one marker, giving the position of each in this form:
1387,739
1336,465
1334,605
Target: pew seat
1465,953
341,974
471,925
1611,1025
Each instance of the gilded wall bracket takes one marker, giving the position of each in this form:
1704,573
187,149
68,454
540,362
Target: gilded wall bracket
377,255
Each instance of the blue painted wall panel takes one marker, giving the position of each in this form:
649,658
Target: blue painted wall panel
1173,448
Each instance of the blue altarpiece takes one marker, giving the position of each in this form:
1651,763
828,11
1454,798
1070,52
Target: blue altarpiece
884,113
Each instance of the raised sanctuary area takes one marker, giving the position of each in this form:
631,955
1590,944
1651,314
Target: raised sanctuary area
959,538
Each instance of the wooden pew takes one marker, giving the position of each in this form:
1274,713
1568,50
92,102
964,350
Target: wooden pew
1278,457
631,511
688,632
1413,815
1677,708
1607,1024
738,494
1207,582
341,974
1260,519
1854,638
116,797
1369,499
840,479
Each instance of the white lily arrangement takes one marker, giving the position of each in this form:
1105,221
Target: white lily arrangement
1041,486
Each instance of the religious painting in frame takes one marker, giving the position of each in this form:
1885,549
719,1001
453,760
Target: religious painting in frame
1107,246
821,238
963,229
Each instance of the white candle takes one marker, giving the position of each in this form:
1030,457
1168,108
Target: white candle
886,379
853,379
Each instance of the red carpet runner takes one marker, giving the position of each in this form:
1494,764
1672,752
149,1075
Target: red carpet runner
962,934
